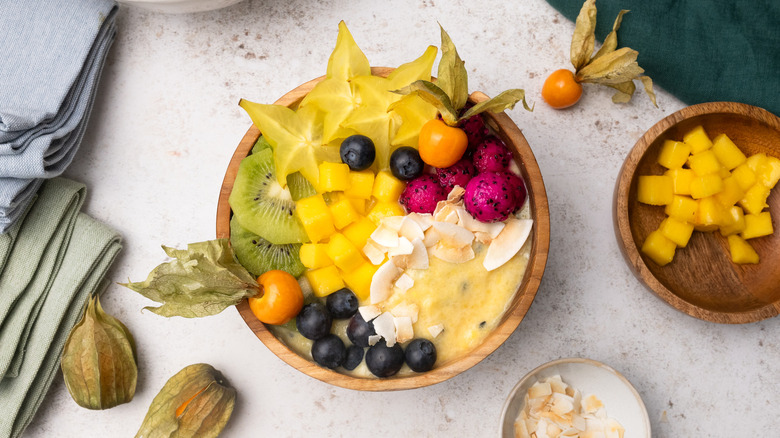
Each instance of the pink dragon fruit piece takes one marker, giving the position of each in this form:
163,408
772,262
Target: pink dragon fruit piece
519,187
492,155
475,129
458,174
489,197
422,194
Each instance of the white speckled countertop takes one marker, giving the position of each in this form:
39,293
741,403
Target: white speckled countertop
162,132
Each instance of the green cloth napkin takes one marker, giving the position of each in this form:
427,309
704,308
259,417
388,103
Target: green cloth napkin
699,50
72,266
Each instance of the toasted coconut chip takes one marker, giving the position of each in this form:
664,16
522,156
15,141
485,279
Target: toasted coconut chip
418,259
453,235
468,222
436,329
404,247
539,390
508,243
373,339
385,327
591,404
447,213
392,222
483,238
404,283
382,282
452,254
369,312
374,252
385,236
514,168
410,310
456,194
424,220
403,328
432,237
411,230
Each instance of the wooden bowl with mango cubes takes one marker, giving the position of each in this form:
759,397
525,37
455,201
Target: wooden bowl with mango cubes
694,207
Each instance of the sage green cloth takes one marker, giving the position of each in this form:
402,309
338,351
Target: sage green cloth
56,260
699,50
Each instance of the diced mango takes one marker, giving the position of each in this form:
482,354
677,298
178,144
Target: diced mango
682,208
385,209
677,231
387,187
343,213
744,176
345,255
704,186
710,215
697,139
704,163
324,281
359,280
757,225
314,255
359,231
655,189
733,222
359,205
681,180
315,217
659,248
770,172
360,184
755,198
727,152
724,173
756,162
673,154
741,251
334,177
731,193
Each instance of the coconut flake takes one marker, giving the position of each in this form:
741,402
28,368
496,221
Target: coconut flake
382,282
404,247
453,235
507,243
410,310
374,252
468,222
452,254
385,236
436,329
392,222
385,327
404,283
411,230
369,312
418,259
431,237
424,220
403,328
373,339
456,194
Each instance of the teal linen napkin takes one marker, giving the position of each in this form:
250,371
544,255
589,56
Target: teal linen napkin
700,50
77,255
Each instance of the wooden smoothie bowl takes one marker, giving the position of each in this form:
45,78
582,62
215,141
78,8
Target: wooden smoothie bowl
537,196
702,281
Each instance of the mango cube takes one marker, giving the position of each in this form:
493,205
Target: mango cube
697,139
359,231
655,189
710,215
756,162
757,225
770,172
359,280
704,186
704,163
741,251
677,231
387,187
359,205
314,255
755,198
324,281
673,154
360,184
727,152
731,193
659,248
333,177
682,208
744,176
385,209
343,213
681,180
733,222
315,217
345,255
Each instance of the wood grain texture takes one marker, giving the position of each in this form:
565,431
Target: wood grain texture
514,138
702,281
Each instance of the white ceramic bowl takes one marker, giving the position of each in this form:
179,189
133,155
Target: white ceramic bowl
621,400
180,6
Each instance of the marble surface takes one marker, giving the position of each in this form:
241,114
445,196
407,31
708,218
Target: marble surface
166,122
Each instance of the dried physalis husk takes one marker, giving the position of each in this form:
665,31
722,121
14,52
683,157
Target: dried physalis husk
195,402
98,362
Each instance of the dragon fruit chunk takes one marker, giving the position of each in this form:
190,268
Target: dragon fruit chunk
489,197
475,129
458,174
521,193
492,155
422,194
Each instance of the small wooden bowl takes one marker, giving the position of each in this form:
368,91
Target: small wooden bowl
537,196
701,280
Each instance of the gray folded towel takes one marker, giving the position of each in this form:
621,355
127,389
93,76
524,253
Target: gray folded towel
53,57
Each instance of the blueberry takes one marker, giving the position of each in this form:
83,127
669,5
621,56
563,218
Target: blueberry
359,330
406,164
342,304
329,351
358,152
384,361
420,355
354,357
314,321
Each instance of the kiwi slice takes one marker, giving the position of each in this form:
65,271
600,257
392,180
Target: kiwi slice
260,145
299,186
261,205
258,255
